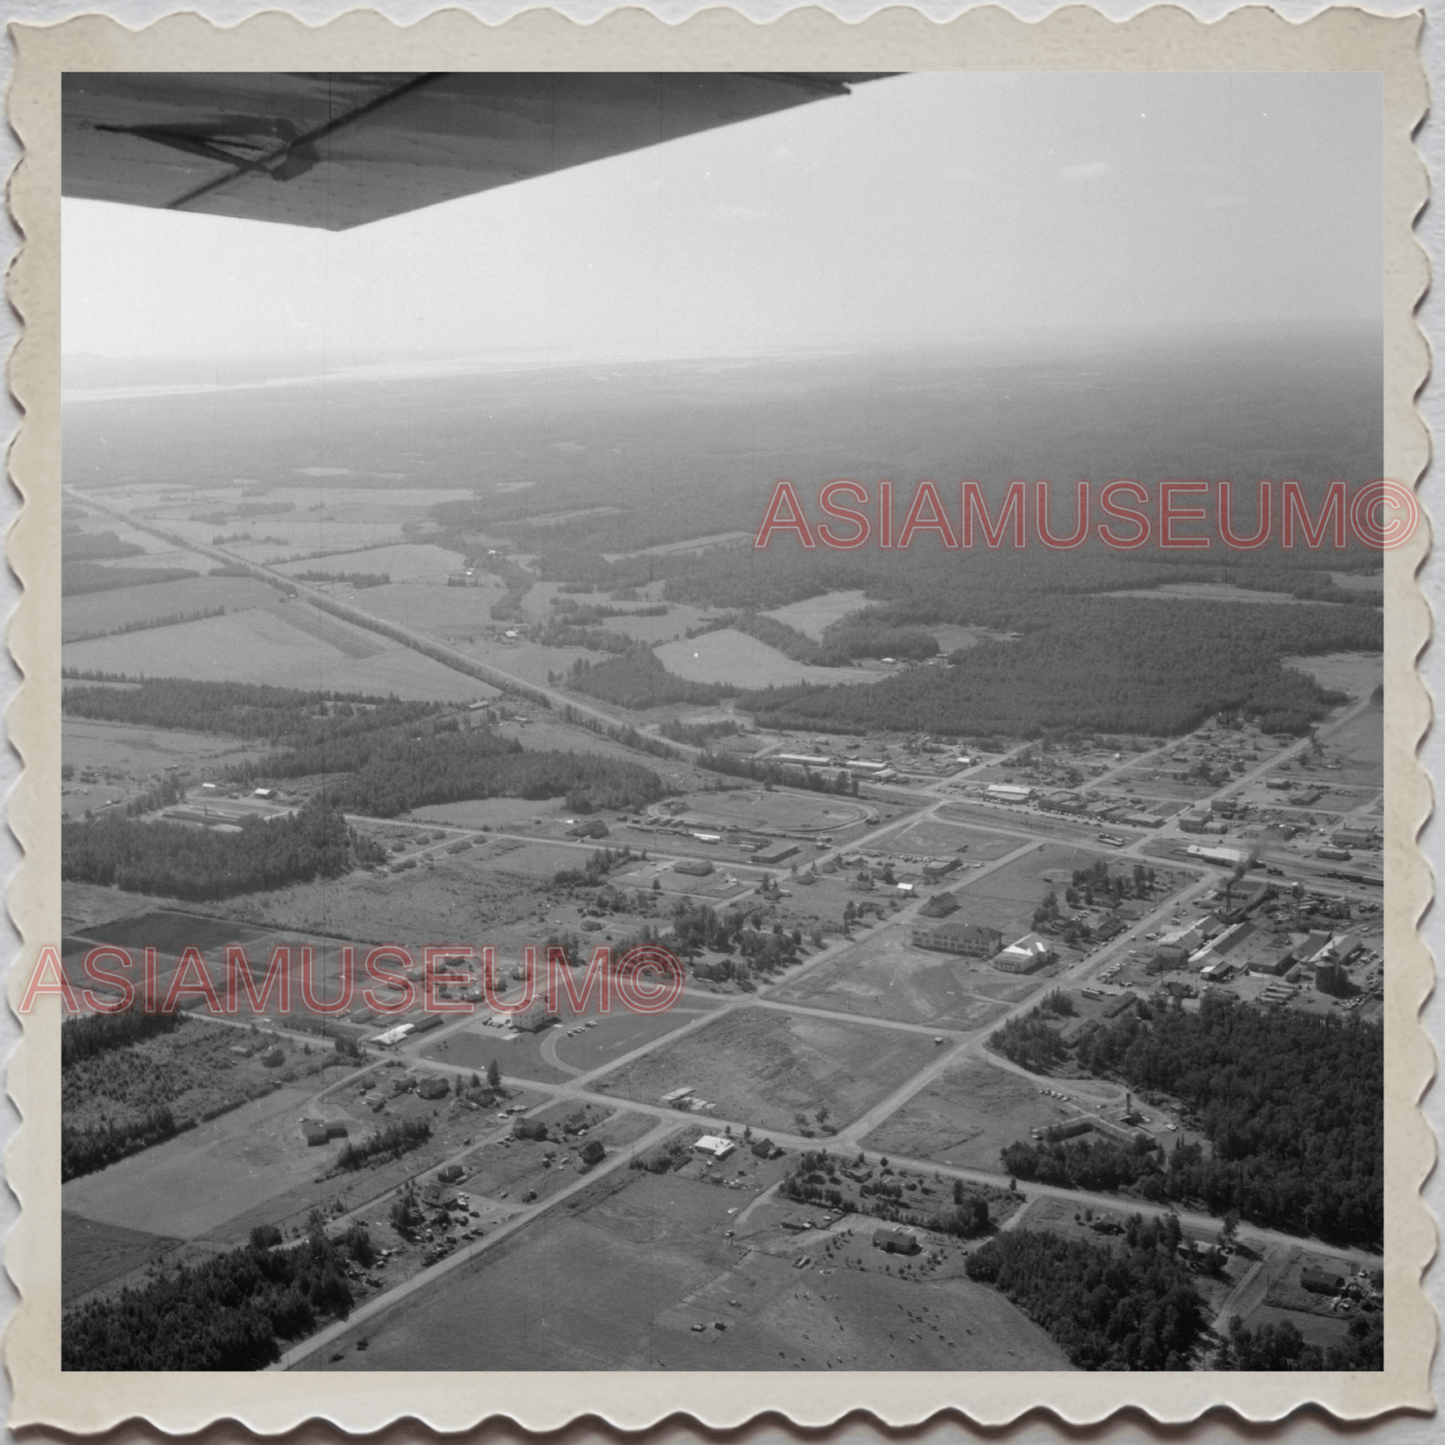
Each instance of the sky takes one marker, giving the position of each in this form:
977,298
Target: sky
920,210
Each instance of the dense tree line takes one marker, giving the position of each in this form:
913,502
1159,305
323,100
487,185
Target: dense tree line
79,578
782,775
1291,1103
145,624
229,1312
84,1038
1094,1164
1281,1347
242,709
1030,1041
1127,1306
1119,664
699,735
1292,1106
388,1143
83,1150
384,773
199,864
96,547
355,579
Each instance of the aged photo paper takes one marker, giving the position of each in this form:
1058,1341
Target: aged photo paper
717,719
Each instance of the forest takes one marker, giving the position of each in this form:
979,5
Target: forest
1292,1106
198,864
638,681
387,771
80,577
1111,664
1280,1346
239,709
1131,1305
228,1312
90,1035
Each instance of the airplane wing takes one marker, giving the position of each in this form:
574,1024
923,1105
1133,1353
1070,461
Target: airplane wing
339,150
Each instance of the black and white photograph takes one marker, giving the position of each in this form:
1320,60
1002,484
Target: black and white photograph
723,721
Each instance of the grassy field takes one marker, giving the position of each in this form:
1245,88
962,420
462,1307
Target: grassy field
262,646
99,612
735,658
193,1183
1006,898
1357,673
966,1116
622,1031
884,978
621,1280
519,1056
814,615
767,1066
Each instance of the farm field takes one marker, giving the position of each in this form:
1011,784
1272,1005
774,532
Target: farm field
620,1280
673,625
968,1114
767,1066
404,561
263,646
735,658
190,1185
450,614
94,613
814,615
883,977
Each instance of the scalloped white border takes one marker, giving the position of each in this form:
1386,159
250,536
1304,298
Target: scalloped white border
1074,38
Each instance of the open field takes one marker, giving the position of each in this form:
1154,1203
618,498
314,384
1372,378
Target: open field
262,646
768,1066
776,810
94,613
450,614
622,1031
191,1184
517,1055
125,759
935,839
814,615
623,1277
403,561
1217,592
968,1114
883,977
735,658
1357,673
